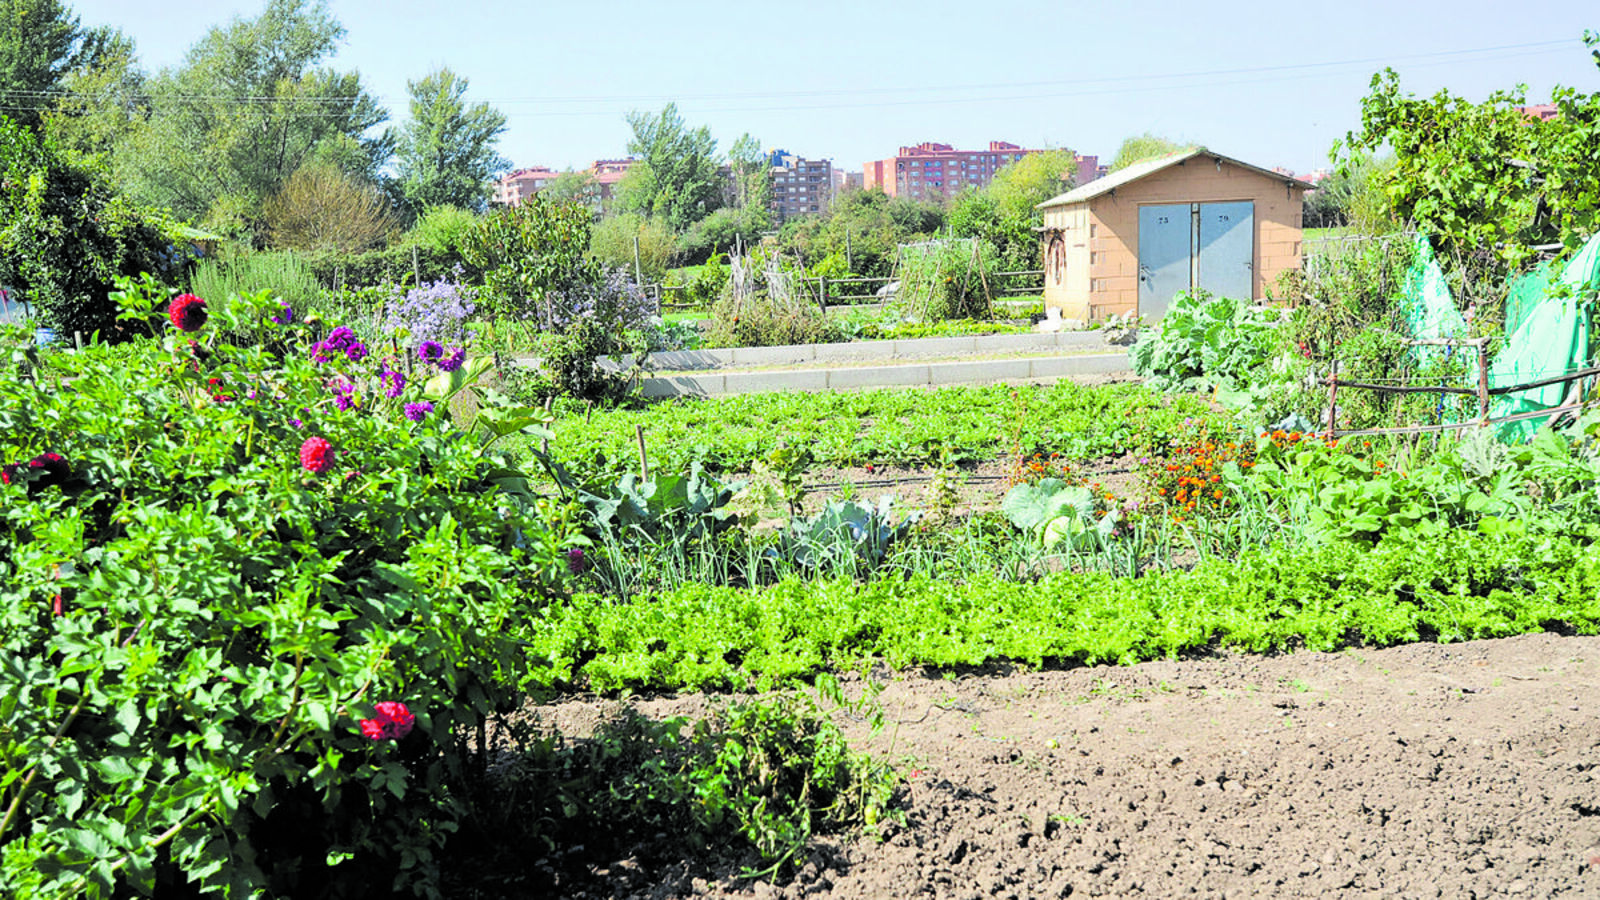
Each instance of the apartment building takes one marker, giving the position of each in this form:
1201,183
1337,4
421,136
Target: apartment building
524,183
521,184
800,186
935,171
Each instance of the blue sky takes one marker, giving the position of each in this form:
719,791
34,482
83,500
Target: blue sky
1273,84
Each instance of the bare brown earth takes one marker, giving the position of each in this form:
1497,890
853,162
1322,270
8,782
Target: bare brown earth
1464,770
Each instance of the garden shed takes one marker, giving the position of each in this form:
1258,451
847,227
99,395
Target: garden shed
1128,242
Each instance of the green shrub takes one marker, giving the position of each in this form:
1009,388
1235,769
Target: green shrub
441,230
200,603
1206,341
767,773
65,235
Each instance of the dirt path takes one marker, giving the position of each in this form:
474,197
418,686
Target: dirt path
1464,770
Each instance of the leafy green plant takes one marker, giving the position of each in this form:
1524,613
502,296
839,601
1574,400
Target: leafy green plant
846,536
1206,341
766,775
249,627
1053,512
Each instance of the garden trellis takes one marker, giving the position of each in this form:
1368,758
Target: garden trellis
944,279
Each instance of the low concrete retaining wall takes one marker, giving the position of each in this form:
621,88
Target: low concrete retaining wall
865,377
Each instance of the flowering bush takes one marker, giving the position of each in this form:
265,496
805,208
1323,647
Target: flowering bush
195,632
436,311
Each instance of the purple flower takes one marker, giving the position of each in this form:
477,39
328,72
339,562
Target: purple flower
416,412
430,351
284,316
394,381
356,352
340,338
453,362
576,562
296,423
433,311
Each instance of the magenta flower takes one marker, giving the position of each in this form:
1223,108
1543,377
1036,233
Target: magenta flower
391,722
416,412
453,362
430,351
187,312
316,455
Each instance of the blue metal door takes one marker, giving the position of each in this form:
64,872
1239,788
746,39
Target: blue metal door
1165,248
1228,249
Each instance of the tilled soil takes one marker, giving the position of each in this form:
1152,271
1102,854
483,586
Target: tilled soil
1464,770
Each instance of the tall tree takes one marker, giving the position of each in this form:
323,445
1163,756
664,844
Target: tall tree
677,177
1141,147
249,106
752,174
100,103
446,151
40,43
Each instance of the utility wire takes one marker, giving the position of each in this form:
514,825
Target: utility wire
17,100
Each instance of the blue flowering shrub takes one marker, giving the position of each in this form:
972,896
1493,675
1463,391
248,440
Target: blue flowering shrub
256,605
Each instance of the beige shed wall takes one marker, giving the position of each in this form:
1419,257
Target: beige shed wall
1111,231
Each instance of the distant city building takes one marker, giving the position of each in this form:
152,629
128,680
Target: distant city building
1542,111
524,183
800,187
1089,169
936,171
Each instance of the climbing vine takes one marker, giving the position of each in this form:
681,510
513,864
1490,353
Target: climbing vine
1486,180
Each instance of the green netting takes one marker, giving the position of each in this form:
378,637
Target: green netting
1425,302
1525,293
1551,339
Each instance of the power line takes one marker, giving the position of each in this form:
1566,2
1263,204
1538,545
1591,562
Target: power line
1081,87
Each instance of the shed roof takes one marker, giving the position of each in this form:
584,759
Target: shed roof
1149,167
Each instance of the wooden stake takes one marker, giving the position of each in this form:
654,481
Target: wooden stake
644,461
1333,395
1483,383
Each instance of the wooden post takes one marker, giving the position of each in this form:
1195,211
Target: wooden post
638,270
644,461
848,264
1483,381
822,292
1333,395
416,268
77,338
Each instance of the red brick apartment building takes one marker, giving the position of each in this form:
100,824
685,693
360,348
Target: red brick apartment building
521,184
931,170
524,183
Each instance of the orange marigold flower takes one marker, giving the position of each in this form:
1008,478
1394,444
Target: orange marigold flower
1216,494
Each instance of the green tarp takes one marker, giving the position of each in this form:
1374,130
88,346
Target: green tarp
1551,338
1425,301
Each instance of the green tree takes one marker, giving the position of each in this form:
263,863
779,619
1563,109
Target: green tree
1483,179
613,241
100,103
573,187
530,252
249,106
446,151
41,42
1003,214
676,177
752,175
1142,147
65,235
865,227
